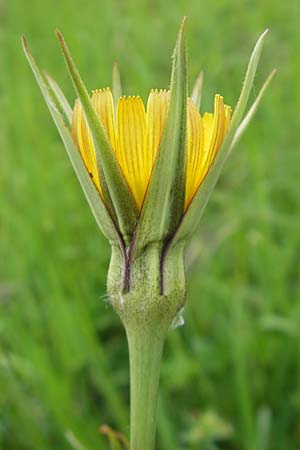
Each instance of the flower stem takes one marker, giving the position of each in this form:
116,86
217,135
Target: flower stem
145,352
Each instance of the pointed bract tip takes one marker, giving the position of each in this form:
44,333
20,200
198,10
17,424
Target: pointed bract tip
24,42
260,41
48,77
200,75
264,34
115,69
59,36
271,76
184,21
180,42
183,25
274,71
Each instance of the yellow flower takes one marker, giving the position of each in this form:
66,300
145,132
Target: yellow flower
134,133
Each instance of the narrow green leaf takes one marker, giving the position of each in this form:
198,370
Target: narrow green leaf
98,208
164,202
60,97
116,84
197,90
192,215
118,190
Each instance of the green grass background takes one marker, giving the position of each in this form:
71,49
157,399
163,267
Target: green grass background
231,376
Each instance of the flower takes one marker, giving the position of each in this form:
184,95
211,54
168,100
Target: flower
147,173
134,133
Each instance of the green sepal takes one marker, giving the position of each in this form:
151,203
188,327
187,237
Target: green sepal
248,82
164,202
252,110
116,85
193,213
115,188
59,96
98,208
197,90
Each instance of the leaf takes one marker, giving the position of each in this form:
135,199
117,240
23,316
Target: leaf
197,90
196,207
98,208
117,191
164,202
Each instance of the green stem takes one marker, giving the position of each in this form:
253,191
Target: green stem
145,352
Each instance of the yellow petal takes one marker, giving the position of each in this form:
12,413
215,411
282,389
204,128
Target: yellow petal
213,125
132,149
195,145
228,111
84,141
157,107
135,137
204,140
102,101
214,130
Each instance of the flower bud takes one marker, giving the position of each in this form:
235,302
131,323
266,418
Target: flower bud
147,173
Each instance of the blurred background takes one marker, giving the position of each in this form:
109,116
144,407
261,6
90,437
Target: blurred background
231,375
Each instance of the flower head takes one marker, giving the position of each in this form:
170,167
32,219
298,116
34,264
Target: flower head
134,133
147,172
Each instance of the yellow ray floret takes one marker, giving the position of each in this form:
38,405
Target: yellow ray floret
134,134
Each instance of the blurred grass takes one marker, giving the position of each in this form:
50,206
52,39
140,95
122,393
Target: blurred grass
231,375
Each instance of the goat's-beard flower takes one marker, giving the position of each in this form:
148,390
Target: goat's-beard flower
147,174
